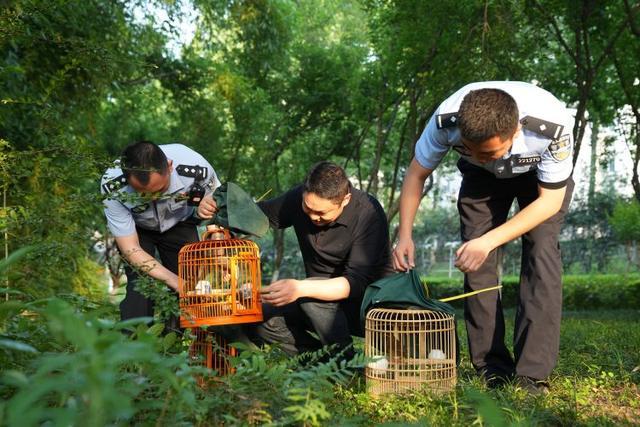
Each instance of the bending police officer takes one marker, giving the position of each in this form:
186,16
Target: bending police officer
515,143
151,192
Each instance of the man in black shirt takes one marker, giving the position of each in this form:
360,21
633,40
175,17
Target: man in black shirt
344,240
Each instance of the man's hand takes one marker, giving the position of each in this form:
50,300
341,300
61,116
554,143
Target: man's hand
207,207
281,292
403,255
472,254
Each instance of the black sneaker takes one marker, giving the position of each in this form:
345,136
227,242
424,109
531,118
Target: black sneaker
494,378
532,386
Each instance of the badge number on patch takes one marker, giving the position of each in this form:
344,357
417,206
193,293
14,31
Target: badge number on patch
530,160
560,148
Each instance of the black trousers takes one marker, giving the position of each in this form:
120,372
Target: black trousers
305,325
167,245
483,203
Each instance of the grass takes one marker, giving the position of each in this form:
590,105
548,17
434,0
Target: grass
596,382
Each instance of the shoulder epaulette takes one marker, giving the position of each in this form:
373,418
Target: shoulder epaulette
549,129
197,172
447,120
114,184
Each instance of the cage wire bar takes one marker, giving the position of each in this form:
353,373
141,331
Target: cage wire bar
210,350
409,350
219,282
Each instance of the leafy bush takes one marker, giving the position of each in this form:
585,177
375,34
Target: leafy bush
68,363
589,292
625,221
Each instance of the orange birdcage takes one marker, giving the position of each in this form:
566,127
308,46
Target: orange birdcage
219,281
210,350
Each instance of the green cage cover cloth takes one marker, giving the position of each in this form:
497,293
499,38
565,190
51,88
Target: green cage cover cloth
238,212
403,291
400,290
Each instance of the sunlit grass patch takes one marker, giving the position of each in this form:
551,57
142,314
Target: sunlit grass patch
596,383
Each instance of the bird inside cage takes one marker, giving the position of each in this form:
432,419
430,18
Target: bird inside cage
219,281
409,349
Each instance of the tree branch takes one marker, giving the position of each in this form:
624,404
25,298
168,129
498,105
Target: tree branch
558,33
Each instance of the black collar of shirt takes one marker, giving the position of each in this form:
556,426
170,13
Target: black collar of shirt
348,214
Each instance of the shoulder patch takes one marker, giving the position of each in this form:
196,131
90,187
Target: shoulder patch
549,129
114,184
560,148
197,172
448,120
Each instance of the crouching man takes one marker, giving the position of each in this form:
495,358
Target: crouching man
344,242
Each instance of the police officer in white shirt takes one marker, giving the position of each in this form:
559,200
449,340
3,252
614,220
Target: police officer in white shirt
150,198
515,142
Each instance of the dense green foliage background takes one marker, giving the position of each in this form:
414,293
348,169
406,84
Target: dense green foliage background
264,89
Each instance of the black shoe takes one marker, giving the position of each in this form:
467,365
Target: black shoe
494,378
532,386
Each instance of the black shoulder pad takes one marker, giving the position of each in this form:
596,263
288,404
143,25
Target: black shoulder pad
448,120
549,129
114,184
197,172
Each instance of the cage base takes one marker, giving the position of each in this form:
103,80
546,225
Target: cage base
220,321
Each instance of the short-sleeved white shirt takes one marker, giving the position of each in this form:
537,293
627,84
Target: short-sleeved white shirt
125,213
544,144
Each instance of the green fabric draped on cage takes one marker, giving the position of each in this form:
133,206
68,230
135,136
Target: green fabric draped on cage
401,290
237,212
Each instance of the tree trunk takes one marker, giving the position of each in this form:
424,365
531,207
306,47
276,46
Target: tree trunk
593,169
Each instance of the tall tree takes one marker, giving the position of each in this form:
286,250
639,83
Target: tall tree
59,61
580,38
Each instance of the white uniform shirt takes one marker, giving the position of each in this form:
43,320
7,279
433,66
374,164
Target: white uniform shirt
544,143
124,212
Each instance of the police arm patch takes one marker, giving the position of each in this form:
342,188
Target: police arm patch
560,148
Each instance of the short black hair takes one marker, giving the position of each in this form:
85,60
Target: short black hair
141,158
486,113
328,181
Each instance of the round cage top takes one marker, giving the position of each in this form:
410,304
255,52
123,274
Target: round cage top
406,315
240,244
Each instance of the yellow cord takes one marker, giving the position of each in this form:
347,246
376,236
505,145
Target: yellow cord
264,195
468,294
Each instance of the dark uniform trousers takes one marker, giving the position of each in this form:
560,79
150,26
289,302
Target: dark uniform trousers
167,245
484,203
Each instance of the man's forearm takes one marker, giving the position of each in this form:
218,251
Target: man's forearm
411,196
143,261
541,209
333,289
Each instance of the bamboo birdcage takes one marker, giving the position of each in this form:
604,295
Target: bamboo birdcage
211,351
219,281
409,350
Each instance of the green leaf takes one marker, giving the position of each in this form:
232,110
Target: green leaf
15,378
17,345
9,309
14,257
126,324
169,340
156,329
